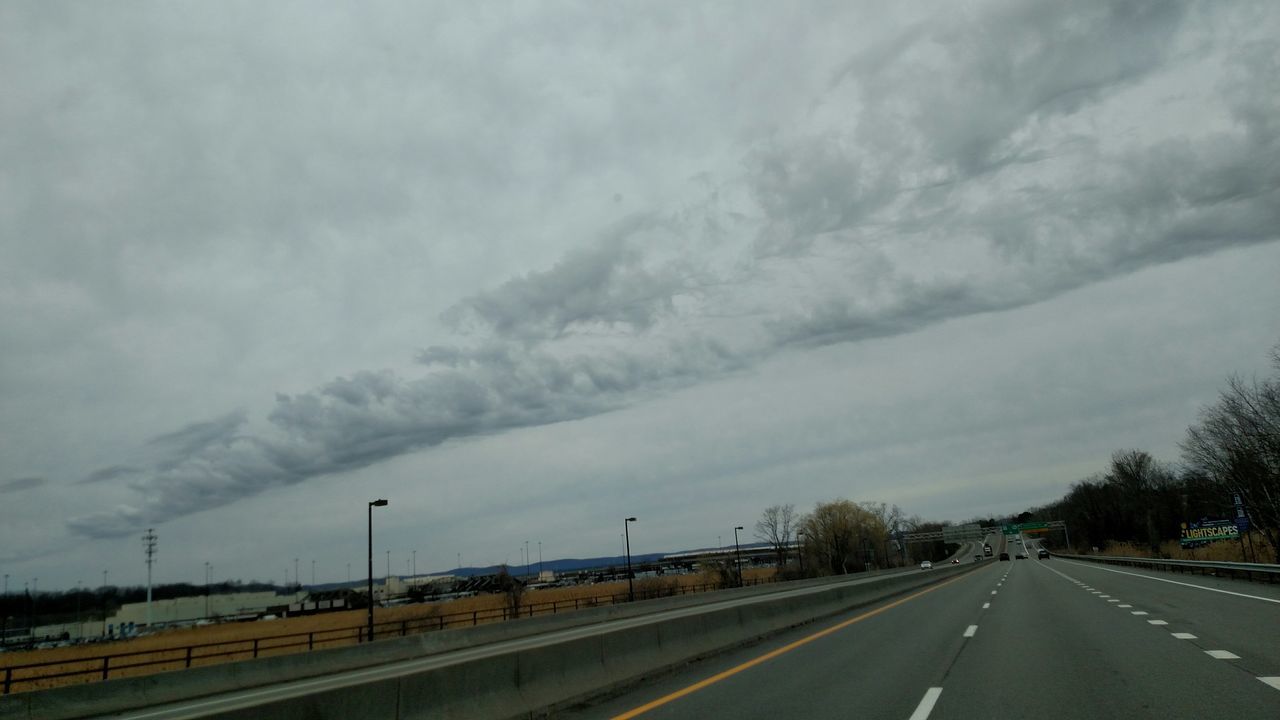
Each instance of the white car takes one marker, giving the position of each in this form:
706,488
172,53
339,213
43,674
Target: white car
926,565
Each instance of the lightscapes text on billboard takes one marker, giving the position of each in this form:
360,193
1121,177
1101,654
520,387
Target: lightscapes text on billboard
1207,531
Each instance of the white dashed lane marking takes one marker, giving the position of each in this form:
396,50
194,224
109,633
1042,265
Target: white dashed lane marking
1184,636
1272,681
1157,622
926,704
1139,612
986,605
1222,655
1125,606
970,631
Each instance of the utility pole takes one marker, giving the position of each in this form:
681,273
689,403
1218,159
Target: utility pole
149,547
539,559
104,603
415,563
297,579
388,568
206,588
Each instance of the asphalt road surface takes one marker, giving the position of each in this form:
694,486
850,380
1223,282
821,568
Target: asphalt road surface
1019,639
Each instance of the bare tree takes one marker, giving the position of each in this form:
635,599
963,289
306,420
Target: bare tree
776,526
1236,444
841,535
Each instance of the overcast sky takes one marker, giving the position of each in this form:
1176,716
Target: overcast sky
525,269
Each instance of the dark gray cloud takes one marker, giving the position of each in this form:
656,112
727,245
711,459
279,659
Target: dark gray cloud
110,473
368,417
606,285
19,484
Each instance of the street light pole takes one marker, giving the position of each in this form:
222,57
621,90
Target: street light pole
297,579
737,550
372,504
539,559
206,588
800,551
626,531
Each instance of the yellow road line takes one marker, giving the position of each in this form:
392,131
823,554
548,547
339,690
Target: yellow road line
775,653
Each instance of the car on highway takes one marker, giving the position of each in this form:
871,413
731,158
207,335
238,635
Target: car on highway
1021,556
1004,556
955,561
1042,554
926,565
977,558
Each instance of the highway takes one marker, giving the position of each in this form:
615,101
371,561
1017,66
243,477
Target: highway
1018,639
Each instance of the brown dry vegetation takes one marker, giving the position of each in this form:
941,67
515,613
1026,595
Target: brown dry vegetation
1221,551
167,650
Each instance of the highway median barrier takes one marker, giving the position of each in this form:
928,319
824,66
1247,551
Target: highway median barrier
585,654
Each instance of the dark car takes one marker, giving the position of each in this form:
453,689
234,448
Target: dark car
1043,554
1004,556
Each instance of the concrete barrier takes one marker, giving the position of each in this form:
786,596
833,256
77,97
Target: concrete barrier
508,684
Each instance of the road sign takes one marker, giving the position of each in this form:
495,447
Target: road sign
1242,524
1016,528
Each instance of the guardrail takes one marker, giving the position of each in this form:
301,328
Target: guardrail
141,662
1251,571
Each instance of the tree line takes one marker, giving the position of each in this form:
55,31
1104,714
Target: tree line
1232,450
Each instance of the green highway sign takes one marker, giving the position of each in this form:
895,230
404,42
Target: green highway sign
1016,528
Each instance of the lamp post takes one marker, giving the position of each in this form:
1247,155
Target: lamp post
297,579
800,551
626,531
539,560
737,550
206,588
372,504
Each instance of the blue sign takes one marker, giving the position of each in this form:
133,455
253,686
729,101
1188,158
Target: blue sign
1242,524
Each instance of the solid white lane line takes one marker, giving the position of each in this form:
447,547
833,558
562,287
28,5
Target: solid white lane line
1176,582
1183,636
1157,622
1272,681
969,631
926,704
1222,655
1138,612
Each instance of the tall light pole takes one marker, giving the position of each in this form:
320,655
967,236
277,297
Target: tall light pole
626,531
526,558
800,550
348,572
104,603
313,573
206,588
415,563
539,559
149,547
372,504
79,627
297,579
738,551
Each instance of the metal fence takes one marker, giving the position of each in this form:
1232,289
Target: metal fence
1251,571
142,662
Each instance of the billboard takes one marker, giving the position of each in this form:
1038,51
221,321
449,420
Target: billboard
1195,534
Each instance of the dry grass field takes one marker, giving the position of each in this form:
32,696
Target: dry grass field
1221,551
180,648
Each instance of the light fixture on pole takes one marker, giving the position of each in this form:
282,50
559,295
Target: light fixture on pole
626,531
372,504
738,551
